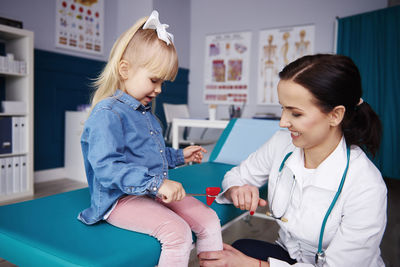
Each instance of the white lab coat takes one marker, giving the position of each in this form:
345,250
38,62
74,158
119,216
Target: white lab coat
356,224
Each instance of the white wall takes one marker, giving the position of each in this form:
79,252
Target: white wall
128,12
210,16
39,17
176,13
191,20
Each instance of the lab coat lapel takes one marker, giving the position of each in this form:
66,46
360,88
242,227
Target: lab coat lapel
296,162
329,173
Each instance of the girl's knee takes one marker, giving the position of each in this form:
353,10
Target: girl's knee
211,221
174,234
208,225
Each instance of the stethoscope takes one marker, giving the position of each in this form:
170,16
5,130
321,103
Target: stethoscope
320,255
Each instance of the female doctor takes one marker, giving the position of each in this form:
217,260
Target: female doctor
326,195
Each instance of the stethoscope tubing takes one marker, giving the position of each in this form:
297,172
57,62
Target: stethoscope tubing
320,255
321,235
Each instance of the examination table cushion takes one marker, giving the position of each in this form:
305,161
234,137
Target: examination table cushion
46,232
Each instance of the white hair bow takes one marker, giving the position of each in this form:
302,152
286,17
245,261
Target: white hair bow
154,23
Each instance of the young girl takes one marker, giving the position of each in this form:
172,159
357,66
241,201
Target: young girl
125,157
327,197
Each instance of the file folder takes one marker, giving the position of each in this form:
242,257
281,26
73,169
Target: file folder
3,186
23,173
5,135
23,130
15,122
9,175
16,175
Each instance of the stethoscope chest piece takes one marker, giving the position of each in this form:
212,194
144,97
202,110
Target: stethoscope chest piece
320,258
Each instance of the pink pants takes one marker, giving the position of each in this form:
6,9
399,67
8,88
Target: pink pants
171,224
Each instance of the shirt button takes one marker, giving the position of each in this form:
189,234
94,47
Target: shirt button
154,188
143,112
165,173
161,150
151,132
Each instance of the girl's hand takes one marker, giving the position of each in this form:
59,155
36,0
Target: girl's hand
171,191
193,154
228,257
245,197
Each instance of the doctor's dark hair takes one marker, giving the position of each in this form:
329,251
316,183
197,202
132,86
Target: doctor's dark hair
334,80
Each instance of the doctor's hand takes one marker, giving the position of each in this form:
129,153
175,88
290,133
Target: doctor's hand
245,197
228,257
171,191
193,154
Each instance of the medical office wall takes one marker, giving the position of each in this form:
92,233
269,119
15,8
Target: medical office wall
119,15
63,77
228,16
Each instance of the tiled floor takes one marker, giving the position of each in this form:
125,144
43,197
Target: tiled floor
265,229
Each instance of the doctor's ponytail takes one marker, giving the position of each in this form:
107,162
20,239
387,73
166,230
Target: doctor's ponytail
363,127
335,80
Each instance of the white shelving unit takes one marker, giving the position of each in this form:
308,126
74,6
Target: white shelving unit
18,87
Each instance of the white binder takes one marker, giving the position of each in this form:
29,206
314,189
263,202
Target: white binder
23,135
3,186
15,123
17,174
9,175
23,173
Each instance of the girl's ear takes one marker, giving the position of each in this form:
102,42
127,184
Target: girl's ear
336,115
123,69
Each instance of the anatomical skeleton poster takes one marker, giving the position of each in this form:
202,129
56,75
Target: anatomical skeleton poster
226,75
277,48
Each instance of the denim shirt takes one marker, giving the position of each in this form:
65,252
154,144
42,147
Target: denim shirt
124,153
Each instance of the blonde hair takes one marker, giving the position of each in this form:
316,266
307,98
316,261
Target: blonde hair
141,48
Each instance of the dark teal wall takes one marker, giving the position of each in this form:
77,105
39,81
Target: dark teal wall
175,92
62,82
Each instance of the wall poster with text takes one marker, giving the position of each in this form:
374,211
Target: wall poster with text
80,25
277,48
226,75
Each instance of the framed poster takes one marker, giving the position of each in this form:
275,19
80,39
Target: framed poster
80,25
277,48
226,75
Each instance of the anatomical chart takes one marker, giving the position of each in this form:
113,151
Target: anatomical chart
277,48
80,25
226,75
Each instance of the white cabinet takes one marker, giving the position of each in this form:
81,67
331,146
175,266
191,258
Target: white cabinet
16,165
73,159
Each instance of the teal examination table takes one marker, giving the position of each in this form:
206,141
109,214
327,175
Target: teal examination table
46,232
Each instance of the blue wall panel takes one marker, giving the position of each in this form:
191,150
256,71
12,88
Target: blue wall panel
175,92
